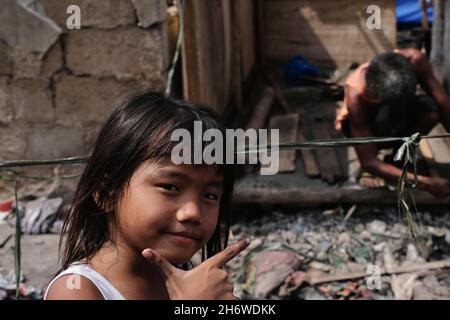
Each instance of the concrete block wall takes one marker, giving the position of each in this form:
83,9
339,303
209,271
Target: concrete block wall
57,85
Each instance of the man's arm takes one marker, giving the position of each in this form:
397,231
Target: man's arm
429,83
367,153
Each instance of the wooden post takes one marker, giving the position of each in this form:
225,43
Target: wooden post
441,41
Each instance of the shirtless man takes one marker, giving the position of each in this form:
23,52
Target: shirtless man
380,100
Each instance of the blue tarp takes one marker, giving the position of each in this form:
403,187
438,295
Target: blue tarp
410,11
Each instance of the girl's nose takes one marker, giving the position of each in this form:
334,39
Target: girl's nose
189,212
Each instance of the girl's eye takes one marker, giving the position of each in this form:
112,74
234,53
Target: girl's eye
169,187
211,196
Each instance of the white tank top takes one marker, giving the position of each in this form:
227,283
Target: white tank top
104,286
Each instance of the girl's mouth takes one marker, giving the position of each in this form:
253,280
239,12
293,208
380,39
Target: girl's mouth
183,238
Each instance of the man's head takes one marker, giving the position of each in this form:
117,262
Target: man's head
390,79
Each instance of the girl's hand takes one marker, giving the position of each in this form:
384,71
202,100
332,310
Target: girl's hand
205,282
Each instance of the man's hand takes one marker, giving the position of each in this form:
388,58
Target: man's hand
205,282
439,187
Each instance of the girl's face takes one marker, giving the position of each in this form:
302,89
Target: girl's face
173,209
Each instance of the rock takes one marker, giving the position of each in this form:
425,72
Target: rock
274,237
269,269
426,217
344,237
424,293
430,282
289,236
322,256
379,246
376,226
324,246
403,285
359,228
311,293
412,255
366,235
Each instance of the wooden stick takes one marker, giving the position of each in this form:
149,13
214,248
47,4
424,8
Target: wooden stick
309,158
403,269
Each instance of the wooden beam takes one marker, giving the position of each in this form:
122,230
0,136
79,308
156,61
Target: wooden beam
323,277
301,196
440,147
330,169
309,158
427,154
288,125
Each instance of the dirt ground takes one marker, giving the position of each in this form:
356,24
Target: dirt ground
291,244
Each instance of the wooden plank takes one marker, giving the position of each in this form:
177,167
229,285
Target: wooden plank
247,29
268,194
287,124
325,31
440,147
204,54
228,48
327,158
353,165
309,159
237,77
263,56
315,279
427,154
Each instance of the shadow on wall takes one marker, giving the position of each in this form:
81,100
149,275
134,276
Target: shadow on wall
328,33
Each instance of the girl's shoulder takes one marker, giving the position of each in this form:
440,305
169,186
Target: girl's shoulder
72,287
80,281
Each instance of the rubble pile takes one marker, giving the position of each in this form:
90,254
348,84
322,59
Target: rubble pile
315,254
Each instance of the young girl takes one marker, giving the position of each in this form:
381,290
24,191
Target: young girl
137,218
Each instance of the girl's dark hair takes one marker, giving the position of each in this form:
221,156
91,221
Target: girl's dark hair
391,79
138,129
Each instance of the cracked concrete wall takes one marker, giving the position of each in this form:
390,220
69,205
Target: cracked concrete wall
58,85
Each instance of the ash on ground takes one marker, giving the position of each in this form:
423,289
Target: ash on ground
341,253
